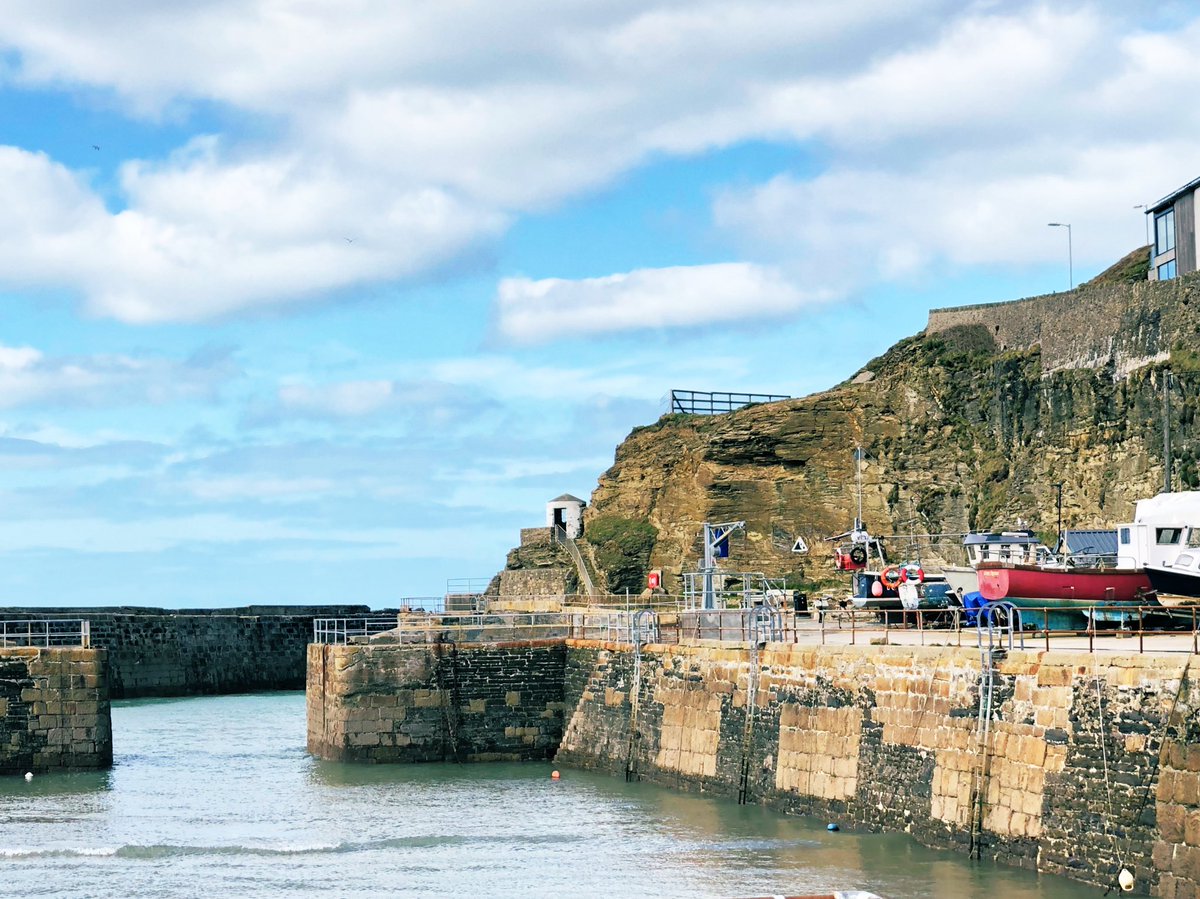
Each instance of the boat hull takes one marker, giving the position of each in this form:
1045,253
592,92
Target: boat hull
964,580
1054,587
1174,582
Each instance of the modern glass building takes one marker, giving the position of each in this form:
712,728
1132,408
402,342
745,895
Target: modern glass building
1174,249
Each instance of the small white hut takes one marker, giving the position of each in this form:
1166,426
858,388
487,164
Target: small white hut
566,512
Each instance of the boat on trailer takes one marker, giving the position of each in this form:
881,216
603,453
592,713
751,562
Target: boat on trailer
1090,587
1164,540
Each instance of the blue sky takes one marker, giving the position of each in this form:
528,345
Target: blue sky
322,302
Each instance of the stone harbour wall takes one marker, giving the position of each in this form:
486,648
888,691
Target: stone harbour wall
390,702
1125,325
160,652
54,710
1092,763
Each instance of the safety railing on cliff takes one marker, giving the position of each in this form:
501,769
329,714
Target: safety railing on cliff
705,402
559,535
46,632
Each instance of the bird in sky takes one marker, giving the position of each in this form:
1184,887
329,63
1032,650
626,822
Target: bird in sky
348,239
95,146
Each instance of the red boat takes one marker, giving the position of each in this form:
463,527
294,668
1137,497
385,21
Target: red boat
1009,581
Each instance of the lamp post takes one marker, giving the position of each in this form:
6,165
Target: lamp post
1070,251
1146,218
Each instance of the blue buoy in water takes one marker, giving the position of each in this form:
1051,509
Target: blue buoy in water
832,827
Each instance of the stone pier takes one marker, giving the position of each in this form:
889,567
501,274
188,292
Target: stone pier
1089,763
392,702
54,710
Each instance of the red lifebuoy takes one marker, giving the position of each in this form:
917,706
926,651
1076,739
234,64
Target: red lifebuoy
891,577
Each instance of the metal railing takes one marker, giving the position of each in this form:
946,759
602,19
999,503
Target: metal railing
467,586
422,604
704,402
343,630
1143,629
46,632
733,589
558,534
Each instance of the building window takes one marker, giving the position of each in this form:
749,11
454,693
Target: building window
1164,232
1166,270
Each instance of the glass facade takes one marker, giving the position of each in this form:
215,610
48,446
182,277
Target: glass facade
1166,270
1164,232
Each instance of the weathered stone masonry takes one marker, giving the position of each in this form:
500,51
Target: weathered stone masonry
54,710
1092,761
161,652
391,702
886,737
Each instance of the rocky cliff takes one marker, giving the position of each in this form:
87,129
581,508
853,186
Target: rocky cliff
969,424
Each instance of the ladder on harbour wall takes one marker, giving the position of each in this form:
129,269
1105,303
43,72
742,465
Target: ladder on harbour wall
558,534
643,628
447,683
764,623
997,622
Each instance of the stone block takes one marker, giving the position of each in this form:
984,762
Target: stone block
1171,820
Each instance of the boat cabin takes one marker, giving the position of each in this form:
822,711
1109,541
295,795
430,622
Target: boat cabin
1018,547
1165,532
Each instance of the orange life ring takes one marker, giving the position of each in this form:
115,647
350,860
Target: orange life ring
890,577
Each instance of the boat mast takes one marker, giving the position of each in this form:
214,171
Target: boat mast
858,455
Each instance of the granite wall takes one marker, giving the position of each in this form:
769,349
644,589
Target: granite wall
1090,764
54,710
393,702
161,652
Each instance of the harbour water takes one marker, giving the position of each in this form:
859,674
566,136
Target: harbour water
216,796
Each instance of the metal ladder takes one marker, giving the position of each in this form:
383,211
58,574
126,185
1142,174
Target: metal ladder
450,690
643,628
764,623
997,621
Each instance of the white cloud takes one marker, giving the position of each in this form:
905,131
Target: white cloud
350,399
683,296
28,376
422,130
205,237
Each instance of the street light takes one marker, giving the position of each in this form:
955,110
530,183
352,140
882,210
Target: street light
1146,218
1070,251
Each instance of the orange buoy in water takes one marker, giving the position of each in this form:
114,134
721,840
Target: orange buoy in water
554,775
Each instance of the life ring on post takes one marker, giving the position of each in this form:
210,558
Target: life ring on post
890,577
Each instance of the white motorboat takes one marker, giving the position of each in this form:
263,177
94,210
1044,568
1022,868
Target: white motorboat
1164,539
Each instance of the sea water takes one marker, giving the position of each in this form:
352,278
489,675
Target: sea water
216,796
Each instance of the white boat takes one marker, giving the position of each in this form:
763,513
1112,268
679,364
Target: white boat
1164,539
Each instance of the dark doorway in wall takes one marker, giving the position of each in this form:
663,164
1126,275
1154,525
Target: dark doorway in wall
560,518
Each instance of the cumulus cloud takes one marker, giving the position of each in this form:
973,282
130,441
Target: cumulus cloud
422,131
531,311
204,237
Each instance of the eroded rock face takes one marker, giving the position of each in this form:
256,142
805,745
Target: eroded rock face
959,432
